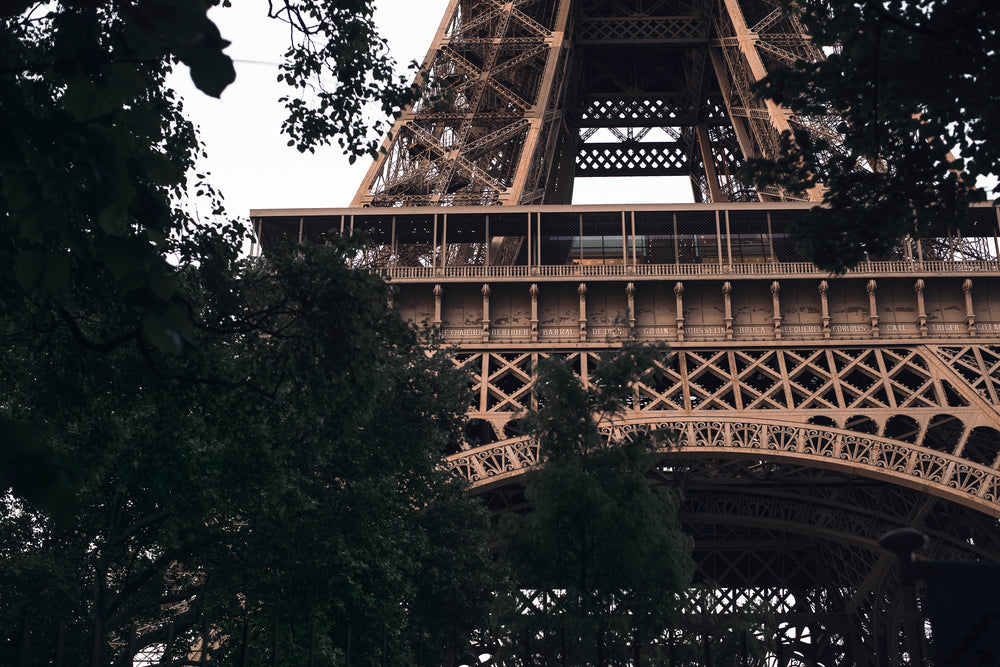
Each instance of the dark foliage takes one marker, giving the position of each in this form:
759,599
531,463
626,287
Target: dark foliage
917,86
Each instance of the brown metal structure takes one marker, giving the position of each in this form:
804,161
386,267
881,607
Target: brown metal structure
810,412
524,96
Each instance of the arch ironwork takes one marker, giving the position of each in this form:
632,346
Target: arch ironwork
812,411
942,474
787,516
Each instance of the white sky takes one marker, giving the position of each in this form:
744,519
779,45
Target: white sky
248,158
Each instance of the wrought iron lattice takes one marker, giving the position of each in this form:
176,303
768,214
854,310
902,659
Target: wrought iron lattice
512,92
807,413
798,433
793,461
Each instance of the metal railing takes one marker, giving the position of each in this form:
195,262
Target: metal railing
683,270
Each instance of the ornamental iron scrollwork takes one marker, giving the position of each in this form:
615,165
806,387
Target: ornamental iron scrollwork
941,473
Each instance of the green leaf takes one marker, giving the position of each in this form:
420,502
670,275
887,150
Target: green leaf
33,471
86,101
212,73
56,272
113,217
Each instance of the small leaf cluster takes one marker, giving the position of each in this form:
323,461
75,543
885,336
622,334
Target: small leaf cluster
340,69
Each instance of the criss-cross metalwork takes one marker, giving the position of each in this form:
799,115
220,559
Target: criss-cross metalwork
522,97
805,414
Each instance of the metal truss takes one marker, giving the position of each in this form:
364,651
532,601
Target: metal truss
472,137
792,456
813,535
791,462
943,399
522,97
801,543
805,414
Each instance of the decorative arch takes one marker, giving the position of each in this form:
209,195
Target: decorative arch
939,473
944,432
982,445
903,428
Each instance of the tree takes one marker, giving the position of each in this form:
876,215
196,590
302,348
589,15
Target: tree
285,470
198,438
97,178
915,86
97,158
600,560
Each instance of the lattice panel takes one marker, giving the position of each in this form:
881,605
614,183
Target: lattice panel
978,365
779,559
790,379
471,363
509,382
621,111
631,159
638,29
469,140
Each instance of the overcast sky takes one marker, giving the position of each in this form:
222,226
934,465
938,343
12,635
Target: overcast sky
248,156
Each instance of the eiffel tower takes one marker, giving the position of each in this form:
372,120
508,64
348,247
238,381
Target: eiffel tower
811,412
525,96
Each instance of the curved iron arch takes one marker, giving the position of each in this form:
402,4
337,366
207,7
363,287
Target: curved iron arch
941,474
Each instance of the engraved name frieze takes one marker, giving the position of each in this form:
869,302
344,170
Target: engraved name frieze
705,331
558,331
511,332
455,332
607,331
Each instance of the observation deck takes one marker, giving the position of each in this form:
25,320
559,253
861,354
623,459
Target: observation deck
680,273
807,413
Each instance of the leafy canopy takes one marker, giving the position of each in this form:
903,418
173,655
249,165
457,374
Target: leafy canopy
917,86
96,155
600,556
285,469
97,162
186,436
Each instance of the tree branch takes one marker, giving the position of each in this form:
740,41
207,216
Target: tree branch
82,339
945,33
138,525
